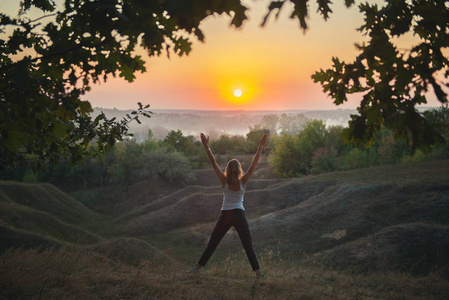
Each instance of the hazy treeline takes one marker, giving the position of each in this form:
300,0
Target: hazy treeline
171,159
319,149
297,146
215,123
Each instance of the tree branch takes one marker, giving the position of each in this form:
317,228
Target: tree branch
50,55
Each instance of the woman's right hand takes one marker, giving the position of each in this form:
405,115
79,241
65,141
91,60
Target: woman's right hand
205,140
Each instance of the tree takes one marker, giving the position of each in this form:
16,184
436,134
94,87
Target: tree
223,145
324,160
48,63
293,154
311,138
254,135
176,141
394,80
389,150
292,124
439,119
283,159
166,165
125,168
269,122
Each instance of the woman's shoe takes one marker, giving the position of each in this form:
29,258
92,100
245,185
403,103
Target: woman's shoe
260,275
194,270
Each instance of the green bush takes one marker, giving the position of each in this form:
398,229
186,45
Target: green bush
223,145
438,118
416,157
360,158
389,149
282,159
253,136
293,154
124,170
29,177
176,141
170,166
325,160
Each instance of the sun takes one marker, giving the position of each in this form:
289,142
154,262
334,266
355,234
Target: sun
237,93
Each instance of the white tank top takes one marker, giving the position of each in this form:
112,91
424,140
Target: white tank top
232,199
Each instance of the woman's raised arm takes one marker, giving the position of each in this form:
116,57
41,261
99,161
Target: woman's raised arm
218,171
253,166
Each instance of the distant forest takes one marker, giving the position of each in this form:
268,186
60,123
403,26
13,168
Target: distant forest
298,145
215,123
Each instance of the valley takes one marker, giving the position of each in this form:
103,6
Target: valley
327,229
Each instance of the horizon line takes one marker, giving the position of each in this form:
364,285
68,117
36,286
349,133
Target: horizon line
226,110
243,110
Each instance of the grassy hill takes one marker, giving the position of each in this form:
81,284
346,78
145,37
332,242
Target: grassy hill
377,233
319,215
35,214
47,198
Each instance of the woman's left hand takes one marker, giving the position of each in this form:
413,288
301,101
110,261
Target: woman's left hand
263,140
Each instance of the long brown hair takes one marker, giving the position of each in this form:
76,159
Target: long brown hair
233,171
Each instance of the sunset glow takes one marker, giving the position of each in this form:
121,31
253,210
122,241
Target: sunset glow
271,66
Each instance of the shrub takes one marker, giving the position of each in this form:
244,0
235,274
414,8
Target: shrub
324,160
358,158
253,136
389,149
223,145
416,157
241,145
292,154
29,177
166,165
282,158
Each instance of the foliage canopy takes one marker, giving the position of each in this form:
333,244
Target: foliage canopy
394,80
48,63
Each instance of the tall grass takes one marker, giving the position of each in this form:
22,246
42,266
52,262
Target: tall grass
75,273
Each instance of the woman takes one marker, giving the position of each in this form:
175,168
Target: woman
234,182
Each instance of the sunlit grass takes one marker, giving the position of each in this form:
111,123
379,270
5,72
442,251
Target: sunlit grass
75,273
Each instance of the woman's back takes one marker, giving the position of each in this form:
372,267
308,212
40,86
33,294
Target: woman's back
235,187
233,198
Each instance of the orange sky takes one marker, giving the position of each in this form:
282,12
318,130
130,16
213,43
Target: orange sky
271,65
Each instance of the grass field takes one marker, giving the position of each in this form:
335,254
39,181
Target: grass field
377,233
74,273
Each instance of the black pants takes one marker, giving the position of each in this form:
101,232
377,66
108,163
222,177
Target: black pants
228,218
